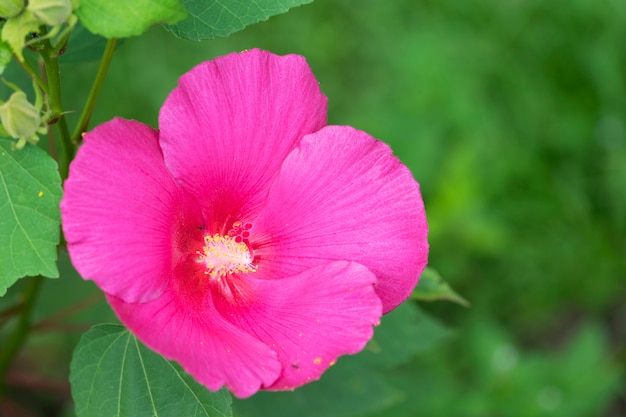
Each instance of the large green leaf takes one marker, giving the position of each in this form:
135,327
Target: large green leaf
30,191
356,385
123,18
211,18
403,333
114,375
350,388
432,287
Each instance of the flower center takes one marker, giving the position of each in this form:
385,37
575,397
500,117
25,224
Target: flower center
226,255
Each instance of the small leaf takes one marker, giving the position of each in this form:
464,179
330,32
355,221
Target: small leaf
114,375
211,18
5,55
432,287
123,18
30,192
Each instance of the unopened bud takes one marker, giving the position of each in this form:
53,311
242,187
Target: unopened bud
51,12
16,29
19,117
10,8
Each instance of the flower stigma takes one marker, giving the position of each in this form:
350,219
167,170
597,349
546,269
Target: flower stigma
226,255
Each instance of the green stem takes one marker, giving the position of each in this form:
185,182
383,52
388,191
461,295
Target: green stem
61,45
51,63
83,123
17,338
33,74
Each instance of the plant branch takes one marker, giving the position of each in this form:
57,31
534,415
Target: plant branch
85,117
51,63
33,74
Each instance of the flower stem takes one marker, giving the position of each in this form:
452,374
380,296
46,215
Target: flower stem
17,338
83,123
51,63
33,75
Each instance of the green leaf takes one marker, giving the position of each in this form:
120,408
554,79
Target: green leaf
30,192
5,55
432,287
114,375
211,18
403,333
357,385
123,18
349,388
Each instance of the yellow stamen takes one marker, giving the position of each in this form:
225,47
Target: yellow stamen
223,256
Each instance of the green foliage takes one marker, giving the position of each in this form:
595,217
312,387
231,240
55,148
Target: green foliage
211,18
114,375
356,385
122,18
30,191
431,287
5,55
511,116
492,376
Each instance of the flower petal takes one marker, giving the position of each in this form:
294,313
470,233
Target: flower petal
309,319
122,211
343,195
214,351
228,126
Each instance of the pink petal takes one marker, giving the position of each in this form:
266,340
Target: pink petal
122,212
309,319
342,195
228,126
214,351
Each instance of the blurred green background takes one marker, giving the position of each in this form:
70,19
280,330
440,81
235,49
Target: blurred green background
512,117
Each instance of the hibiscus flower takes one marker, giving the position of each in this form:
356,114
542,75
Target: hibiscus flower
245,239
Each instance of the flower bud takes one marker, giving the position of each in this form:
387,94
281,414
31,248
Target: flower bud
10,8
19,117
16,29
51,12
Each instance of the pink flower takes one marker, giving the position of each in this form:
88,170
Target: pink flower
245,239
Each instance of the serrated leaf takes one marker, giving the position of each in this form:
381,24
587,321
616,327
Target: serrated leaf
123,18
432,287
5,55
30,192
114,375
211,18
